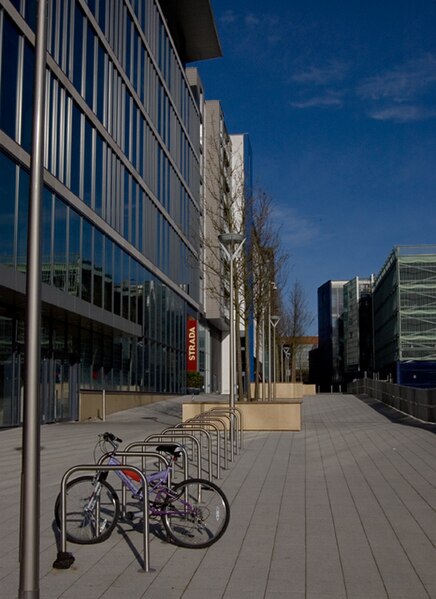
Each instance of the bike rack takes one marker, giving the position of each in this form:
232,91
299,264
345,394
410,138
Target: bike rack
235,414
162,436
235,422
175,431
65,560
227,430
201,420
195,427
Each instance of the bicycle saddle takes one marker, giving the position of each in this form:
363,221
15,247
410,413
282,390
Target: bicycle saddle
173,450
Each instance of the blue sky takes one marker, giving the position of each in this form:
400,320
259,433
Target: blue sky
339,100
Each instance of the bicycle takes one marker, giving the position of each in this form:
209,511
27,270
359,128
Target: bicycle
195,513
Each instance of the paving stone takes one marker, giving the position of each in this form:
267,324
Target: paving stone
344,509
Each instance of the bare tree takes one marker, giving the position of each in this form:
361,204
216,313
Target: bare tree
267,266
229,206
299,318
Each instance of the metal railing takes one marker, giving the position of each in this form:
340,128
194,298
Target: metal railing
416,402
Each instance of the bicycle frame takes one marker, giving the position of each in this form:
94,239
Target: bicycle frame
157,483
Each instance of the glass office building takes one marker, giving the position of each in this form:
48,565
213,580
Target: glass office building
330,334
405,317
121,199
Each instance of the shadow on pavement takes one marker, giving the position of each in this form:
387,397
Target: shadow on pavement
394,415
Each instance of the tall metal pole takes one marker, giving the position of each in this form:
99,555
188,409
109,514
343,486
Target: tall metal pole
232,239
232,341
274,322
30,475
269,349
263,355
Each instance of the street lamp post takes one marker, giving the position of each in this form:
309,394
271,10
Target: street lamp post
274,320
272,287
231,244
30,473
263,355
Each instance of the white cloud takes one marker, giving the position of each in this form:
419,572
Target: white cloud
330,98
228,16
333,71
400,94
251,19
251,26
295,230
402,113
402,83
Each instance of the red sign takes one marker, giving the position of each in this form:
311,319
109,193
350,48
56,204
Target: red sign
192,345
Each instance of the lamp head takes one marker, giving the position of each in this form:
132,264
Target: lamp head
230,239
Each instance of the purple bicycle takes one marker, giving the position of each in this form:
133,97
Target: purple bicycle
195,512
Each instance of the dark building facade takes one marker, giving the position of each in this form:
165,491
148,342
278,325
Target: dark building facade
329,355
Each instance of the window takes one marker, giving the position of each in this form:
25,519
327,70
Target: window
99,175
74,254
126,285
78,48
89,91
100,82
59,244
86,261
108,270
27,95
47,215
9,73
117,275
7,202
88,164
98,268
76,150
23,215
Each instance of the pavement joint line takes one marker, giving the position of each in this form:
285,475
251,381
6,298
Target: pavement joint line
345,446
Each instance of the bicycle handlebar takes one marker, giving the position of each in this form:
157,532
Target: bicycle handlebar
110,437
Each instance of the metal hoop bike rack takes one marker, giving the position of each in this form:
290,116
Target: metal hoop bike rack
197,427
192,438
208,416
65,560
236,416
178,427
203,420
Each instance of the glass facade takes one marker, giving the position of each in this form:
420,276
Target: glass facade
330,332
121,205
405,316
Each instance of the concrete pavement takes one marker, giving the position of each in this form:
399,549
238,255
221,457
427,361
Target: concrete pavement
344,509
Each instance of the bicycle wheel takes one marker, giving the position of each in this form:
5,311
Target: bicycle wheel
196,513
85,498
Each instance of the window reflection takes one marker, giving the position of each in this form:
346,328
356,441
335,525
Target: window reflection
27,96
86,261
98,268
74,254
59,244
23,215
9,73
108,282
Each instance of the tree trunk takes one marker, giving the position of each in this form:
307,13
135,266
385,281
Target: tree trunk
247,360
